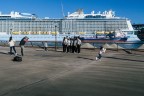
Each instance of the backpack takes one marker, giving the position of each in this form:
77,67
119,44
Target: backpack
17,58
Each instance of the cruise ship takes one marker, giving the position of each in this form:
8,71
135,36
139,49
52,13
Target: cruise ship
94,26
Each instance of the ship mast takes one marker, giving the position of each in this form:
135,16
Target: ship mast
62,9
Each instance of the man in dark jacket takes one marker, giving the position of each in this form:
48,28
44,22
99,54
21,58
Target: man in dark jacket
22,43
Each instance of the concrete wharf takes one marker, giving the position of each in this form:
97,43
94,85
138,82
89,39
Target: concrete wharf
54,73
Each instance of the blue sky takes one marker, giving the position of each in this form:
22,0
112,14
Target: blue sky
132,9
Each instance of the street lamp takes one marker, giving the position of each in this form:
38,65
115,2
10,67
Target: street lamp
55,38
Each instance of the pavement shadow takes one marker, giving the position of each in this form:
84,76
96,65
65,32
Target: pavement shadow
4,52
85,58
125,59
129,52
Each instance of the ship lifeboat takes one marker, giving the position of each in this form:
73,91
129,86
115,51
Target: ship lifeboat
26,33
22,33
100,32
106,32
33,33
54,33
45,32
82,33
41,33
15,33
48,33
37,32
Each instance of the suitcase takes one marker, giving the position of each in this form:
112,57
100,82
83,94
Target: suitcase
17,58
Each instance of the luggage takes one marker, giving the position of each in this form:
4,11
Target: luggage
17,58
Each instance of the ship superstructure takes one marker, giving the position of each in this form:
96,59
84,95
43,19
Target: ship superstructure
79,14
74,24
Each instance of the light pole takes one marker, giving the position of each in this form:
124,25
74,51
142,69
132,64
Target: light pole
55,38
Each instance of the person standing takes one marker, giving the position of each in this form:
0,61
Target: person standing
78,45
102,50
12,45
68,45
45,46
74,45
71,43
64,43
22,43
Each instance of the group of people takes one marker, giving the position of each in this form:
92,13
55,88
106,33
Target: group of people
71,45
12,45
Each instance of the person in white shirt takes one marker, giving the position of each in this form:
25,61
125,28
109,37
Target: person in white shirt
45,46
74,45
102,50
12,45
64,43
78,45
68,45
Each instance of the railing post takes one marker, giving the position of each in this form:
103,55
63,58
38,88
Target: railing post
117,46
55,39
